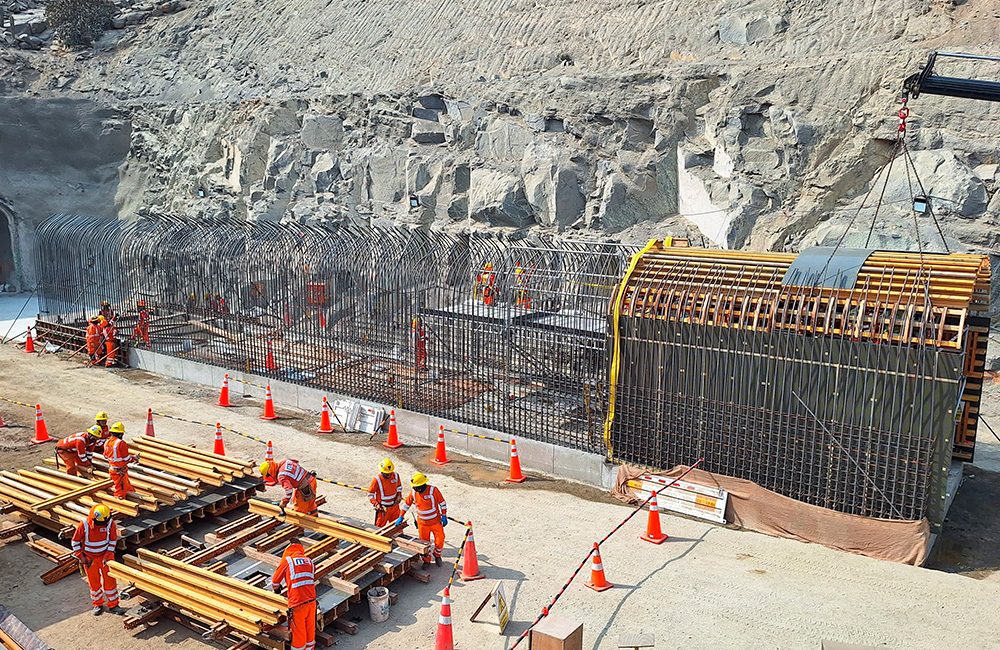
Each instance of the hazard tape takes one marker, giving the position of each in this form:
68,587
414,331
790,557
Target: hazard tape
461,551
208,424
476,435
11,401
353,487
248,383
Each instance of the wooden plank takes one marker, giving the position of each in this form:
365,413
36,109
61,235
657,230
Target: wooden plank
142,614
232,541
72,495
65,568
345,626
421,576
239,524
324,525
273,560
10,529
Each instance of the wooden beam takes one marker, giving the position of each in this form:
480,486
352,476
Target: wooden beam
273,560
324,525
232,541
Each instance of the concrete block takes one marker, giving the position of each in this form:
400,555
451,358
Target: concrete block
171,366
577,465
537,456
413,428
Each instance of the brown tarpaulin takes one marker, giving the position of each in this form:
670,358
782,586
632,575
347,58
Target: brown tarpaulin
755,508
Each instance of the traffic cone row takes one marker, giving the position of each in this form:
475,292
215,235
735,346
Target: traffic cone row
393,441
324,422
219,448
269,407
41,432
149,424
440,455
224,393
29,345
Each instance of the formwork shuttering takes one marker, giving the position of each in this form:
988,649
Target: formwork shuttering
336,305
845,379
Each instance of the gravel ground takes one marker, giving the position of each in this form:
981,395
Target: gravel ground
708,587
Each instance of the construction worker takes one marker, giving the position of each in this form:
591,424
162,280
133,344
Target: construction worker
484,283
220,304
420,343
94,338
297,572
521,297
110,333
119,458
299,485
385,493
432,513
101,420
106,311
94,545
76,451
142,327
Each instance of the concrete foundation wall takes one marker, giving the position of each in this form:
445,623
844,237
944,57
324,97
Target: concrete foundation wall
414,428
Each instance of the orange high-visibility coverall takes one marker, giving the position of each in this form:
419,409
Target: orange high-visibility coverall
118,456
420,345
94,546
94,339
296,571
75,451
142,327
386,492
111,343
300,486
430,508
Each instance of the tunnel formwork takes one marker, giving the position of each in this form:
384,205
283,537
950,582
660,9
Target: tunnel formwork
846,379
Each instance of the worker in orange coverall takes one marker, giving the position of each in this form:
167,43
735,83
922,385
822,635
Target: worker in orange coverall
299,485
385,493
432,513
110,333
94,338
76,451
142,327
296,571
94,546
119,458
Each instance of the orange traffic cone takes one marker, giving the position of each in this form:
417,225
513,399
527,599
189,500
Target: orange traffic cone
440,455
597,581
220,448
149,424
271,365
393,441
2,423
470,566
324,423
444,639
515,465
653,532
269,457
268,407
224,394
41,432
29,345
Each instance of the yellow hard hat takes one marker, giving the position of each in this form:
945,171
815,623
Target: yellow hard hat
101,415
100,514
418,480
101,319
488,266
93,319
117,427
265,468
95,431
386,466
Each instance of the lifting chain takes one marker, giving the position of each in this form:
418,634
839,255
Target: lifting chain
904,112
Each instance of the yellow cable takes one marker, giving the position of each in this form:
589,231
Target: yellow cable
615,357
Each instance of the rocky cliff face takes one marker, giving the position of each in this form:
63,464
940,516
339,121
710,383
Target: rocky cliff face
754,124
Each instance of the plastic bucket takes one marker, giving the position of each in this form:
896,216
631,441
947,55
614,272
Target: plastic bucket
378,604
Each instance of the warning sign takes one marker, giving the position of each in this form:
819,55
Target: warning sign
499,604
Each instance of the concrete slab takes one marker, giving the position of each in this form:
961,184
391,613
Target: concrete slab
536,456
576,465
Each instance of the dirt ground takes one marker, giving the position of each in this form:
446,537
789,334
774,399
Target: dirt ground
708,587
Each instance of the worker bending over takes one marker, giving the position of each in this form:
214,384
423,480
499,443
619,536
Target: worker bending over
296,571
142,326
432,513
95,338
94,546
76,451
299,485
385,493
119,458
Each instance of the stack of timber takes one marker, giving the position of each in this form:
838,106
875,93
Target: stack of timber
221,587
15,635
173,484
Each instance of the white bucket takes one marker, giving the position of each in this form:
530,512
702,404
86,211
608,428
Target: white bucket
378,604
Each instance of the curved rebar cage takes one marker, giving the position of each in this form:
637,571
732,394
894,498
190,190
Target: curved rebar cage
482,328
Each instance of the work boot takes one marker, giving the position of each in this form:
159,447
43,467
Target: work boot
424,561
116,610
437,560
97,610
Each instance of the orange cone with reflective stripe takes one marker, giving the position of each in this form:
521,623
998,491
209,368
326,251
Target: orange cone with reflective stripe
269,407
220,448
597,580
444,639
515,465
269,457
393,441
440,455
149,424
41,432
271,365
470,565
324,422
653,532
29,345
224,393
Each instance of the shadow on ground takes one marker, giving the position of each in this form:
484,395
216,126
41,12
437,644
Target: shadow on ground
970,542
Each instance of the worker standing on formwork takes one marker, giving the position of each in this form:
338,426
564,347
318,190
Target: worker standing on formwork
420,343
484,285
76,451
432,514
142,326
299,485
385,493
119,458
297,571
94,338
110,333
94,546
